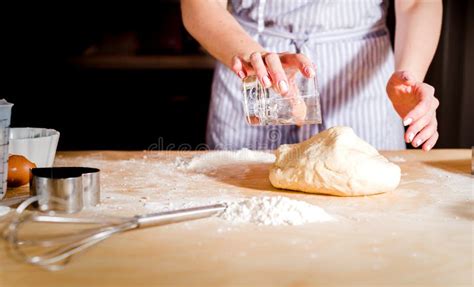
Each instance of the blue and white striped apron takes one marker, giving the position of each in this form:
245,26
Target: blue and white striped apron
350,45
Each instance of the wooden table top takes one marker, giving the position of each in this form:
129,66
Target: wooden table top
420,234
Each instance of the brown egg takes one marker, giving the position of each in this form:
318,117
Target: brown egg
19,170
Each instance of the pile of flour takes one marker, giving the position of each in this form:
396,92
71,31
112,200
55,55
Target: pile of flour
275,210
216,159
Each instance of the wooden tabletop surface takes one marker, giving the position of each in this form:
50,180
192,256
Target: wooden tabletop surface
421,234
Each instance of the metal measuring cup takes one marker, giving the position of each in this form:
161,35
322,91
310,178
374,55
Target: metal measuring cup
65,189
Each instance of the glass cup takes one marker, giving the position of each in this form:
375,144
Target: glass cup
5,115
299,106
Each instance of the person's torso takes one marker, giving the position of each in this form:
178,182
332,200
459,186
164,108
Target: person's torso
311,16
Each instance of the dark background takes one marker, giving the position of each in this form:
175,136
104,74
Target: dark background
128,76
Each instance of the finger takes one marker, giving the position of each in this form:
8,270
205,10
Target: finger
237,67
300,61
277,73
427,102
417,126
430,143
426,133
260,69
298,106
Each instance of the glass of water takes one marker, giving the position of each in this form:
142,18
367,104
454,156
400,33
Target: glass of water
299,106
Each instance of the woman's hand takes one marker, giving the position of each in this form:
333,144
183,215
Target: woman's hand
415,103
270,68
278,71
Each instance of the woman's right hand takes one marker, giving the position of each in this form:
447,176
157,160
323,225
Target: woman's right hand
278,71
270,68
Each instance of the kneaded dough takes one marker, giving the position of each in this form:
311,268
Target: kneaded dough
334,162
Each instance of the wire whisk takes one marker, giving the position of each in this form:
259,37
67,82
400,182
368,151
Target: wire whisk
53,251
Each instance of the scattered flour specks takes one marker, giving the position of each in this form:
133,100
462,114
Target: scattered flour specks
275,210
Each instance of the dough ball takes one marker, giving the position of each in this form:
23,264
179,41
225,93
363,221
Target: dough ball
334,162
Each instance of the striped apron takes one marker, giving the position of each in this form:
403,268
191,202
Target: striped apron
350,46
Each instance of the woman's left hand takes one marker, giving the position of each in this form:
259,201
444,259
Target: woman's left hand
416,104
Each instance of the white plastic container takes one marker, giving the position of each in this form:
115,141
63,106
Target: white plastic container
38,145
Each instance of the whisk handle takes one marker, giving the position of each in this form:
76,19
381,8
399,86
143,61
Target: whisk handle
179,215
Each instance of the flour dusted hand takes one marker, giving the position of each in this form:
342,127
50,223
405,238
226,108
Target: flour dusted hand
335,162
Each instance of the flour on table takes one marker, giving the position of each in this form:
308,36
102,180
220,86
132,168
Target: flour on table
4,210
192,201
397,159
170,184
216,159
276,210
